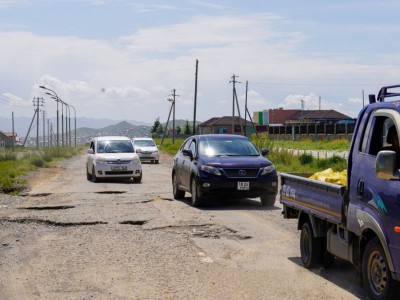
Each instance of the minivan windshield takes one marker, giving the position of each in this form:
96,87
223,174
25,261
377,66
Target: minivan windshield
227,147
114,146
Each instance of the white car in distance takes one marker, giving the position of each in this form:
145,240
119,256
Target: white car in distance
113,157
147,149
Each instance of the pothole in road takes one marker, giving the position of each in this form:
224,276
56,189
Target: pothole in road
138,222
48,207
51,223
207,231
111,192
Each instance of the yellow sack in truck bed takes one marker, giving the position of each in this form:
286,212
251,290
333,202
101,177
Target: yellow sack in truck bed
331,176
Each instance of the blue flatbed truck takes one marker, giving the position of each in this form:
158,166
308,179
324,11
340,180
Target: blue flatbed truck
360,222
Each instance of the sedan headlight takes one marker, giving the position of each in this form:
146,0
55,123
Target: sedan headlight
100,160
155,152
211,170
268,169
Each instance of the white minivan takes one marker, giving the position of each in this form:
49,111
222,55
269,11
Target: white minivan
112,157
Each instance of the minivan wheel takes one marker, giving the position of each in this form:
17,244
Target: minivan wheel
196,200
138,179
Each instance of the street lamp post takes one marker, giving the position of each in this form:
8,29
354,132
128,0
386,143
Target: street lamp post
74,124
57,100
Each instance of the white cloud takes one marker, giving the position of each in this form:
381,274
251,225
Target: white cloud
132,78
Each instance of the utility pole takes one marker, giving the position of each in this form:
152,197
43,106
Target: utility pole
245,110
173,115
195,98
233,100
37,118
319,102
13,133
363,97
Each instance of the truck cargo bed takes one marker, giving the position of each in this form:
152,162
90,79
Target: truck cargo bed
322,199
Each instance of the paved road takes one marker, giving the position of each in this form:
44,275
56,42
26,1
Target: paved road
69,238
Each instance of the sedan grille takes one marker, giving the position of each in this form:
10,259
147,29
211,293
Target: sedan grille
242,173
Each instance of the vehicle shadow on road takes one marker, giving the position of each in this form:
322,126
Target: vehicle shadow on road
231,204
341,273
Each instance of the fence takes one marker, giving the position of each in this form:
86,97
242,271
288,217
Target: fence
319,154
315,132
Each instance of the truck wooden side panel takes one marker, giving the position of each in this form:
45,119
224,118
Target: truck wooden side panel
322,199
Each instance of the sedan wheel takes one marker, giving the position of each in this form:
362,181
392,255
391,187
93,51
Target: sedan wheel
178,194
196,200
94,177
88,176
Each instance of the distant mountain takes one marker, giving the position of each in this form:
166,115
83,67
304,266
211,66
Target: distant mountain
21,124
123,128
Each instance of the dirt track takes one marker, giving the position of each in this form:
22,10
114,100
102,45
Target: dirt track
69,238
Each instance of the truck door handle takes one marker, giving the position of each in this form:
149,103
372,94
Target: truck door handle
360,187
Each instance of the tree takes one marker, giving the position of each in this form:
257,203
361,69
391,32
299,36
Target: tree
157,129
187,129
178,129
156,126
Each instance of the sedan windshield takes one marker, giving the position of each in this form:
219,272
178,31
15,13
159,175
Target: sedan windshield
227,147
114,147
144,143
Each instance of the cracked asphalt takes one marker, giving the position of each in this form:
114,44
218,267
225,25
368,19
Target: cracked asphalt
68,238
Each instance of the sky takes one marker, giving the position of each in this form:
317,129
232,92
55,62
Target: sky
123,60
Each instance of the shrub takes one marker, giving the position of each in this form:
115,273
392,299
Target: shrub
37,161
306,159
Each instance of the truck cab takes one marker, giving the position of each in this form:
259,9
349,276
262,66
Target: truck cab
360,222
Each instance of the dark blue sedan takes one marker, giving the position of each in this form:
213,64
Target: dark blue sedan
223,166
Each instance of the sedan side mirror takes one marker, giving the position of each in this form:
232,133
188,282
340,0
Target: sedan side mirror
264,151
188,152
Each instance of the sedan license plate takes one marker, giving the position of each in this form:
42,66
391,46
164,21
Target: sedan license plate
243,186
119,168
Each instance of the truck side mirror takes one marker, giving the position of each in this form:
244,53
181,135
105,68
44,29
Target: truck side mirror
386,165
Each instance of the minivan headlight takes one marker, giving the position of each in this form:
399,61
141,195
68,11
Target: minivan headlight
100,160
211,170
268,169
135,159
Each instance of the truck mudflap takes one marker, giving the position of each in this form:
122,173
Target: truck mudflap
322,199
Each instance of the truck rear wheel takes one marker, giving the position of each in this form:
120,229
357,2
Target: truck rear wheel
378,281
310,247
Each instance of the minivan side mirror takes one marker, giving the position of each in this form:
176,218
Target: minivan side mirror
386,165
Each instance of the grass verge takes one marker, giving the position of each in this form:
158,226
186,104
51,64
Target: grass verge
15,166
